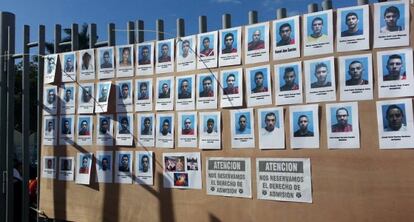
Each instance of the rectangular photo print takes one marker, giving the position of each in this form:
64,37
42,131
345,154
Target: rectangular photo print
182,170
165,56
256,43
84,129
145,58
144,168
86,102
258,86
87,64
50,100
146,129
207,50
124,96
187,129
143,95
67,98
165,93
125,61
242,128
288,83
320,80
66,129
125,130
105,130
185,91
395,124
304,126
102,95
106,67
68,63
104,167
165,130
123,167
66,168
207,90
230,46
231,88
49,167
318,33
186,53
210,130
50,63
49,130
286,38
83,168
271,128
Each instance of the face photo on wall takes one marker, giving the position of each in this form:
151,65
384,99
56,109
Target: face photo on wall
290,78
354,29
210,126
207,86
104,162
231,92
65,164
229,42
209,130
84,163
285,38
125,54
185,51
187,129
256,43
84,126
164,89
395,73
391,24
304,127
271,128
145,163
188,125
49,100
165,130
66,126
87,60
50,126
66,129
124,90
318,33
185,87
106,58
320,79
146,129
124,162
256,38
206,45
105,125
186,48
395,124
242,128
165,124
68,92
144,167
144,90
69,67
66,168
145,54
258,86
164,52
67,98
86,94
356,77
125,129
124,124
147,125
230,46
103,92
50,68
49,163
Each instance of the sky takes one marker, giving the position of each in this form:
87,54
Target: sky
102,12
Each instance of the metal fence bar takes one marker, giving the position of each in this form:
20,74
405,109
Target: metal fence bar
25,123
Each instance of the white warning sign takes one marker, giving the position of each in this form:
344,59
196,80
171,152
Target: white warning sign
229,177
284,179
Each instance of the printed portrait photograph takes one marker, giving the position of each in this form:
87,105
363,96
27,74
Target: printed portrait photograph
394,117
210,124
84,126
87,62
317,28
170,163
164,90
302,123
124,124
393,67
187,125
229,42
66,126
124,162
50,163
147,125
50,62
230,82
207,86
104,162
86,94
49,127
104,125
144,163
352,22
103,92
255,38
124,56
164,52
106,59
320,74
285,33
181,179
186,48
341,119
206,45
51,96
289,78
68,94
242,123
65,164
259,80
144,54
69,62
84,163
392,18
184,88
144,88
357,70
124,90
165,125
270,121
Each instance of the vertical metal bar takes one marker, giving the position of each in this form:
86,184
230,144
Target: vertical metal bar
226,21
313,7
202,24
25,123
41,52
92,35
140,30
131,32
6,20
253,18
75,37
111,34
362,2
58,37
180,27
159,27
10,121
281,13
326,4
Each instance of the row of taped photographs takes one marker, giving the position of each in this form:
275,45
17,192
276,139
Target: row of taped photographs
208,90
203,130
225,176
391,28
